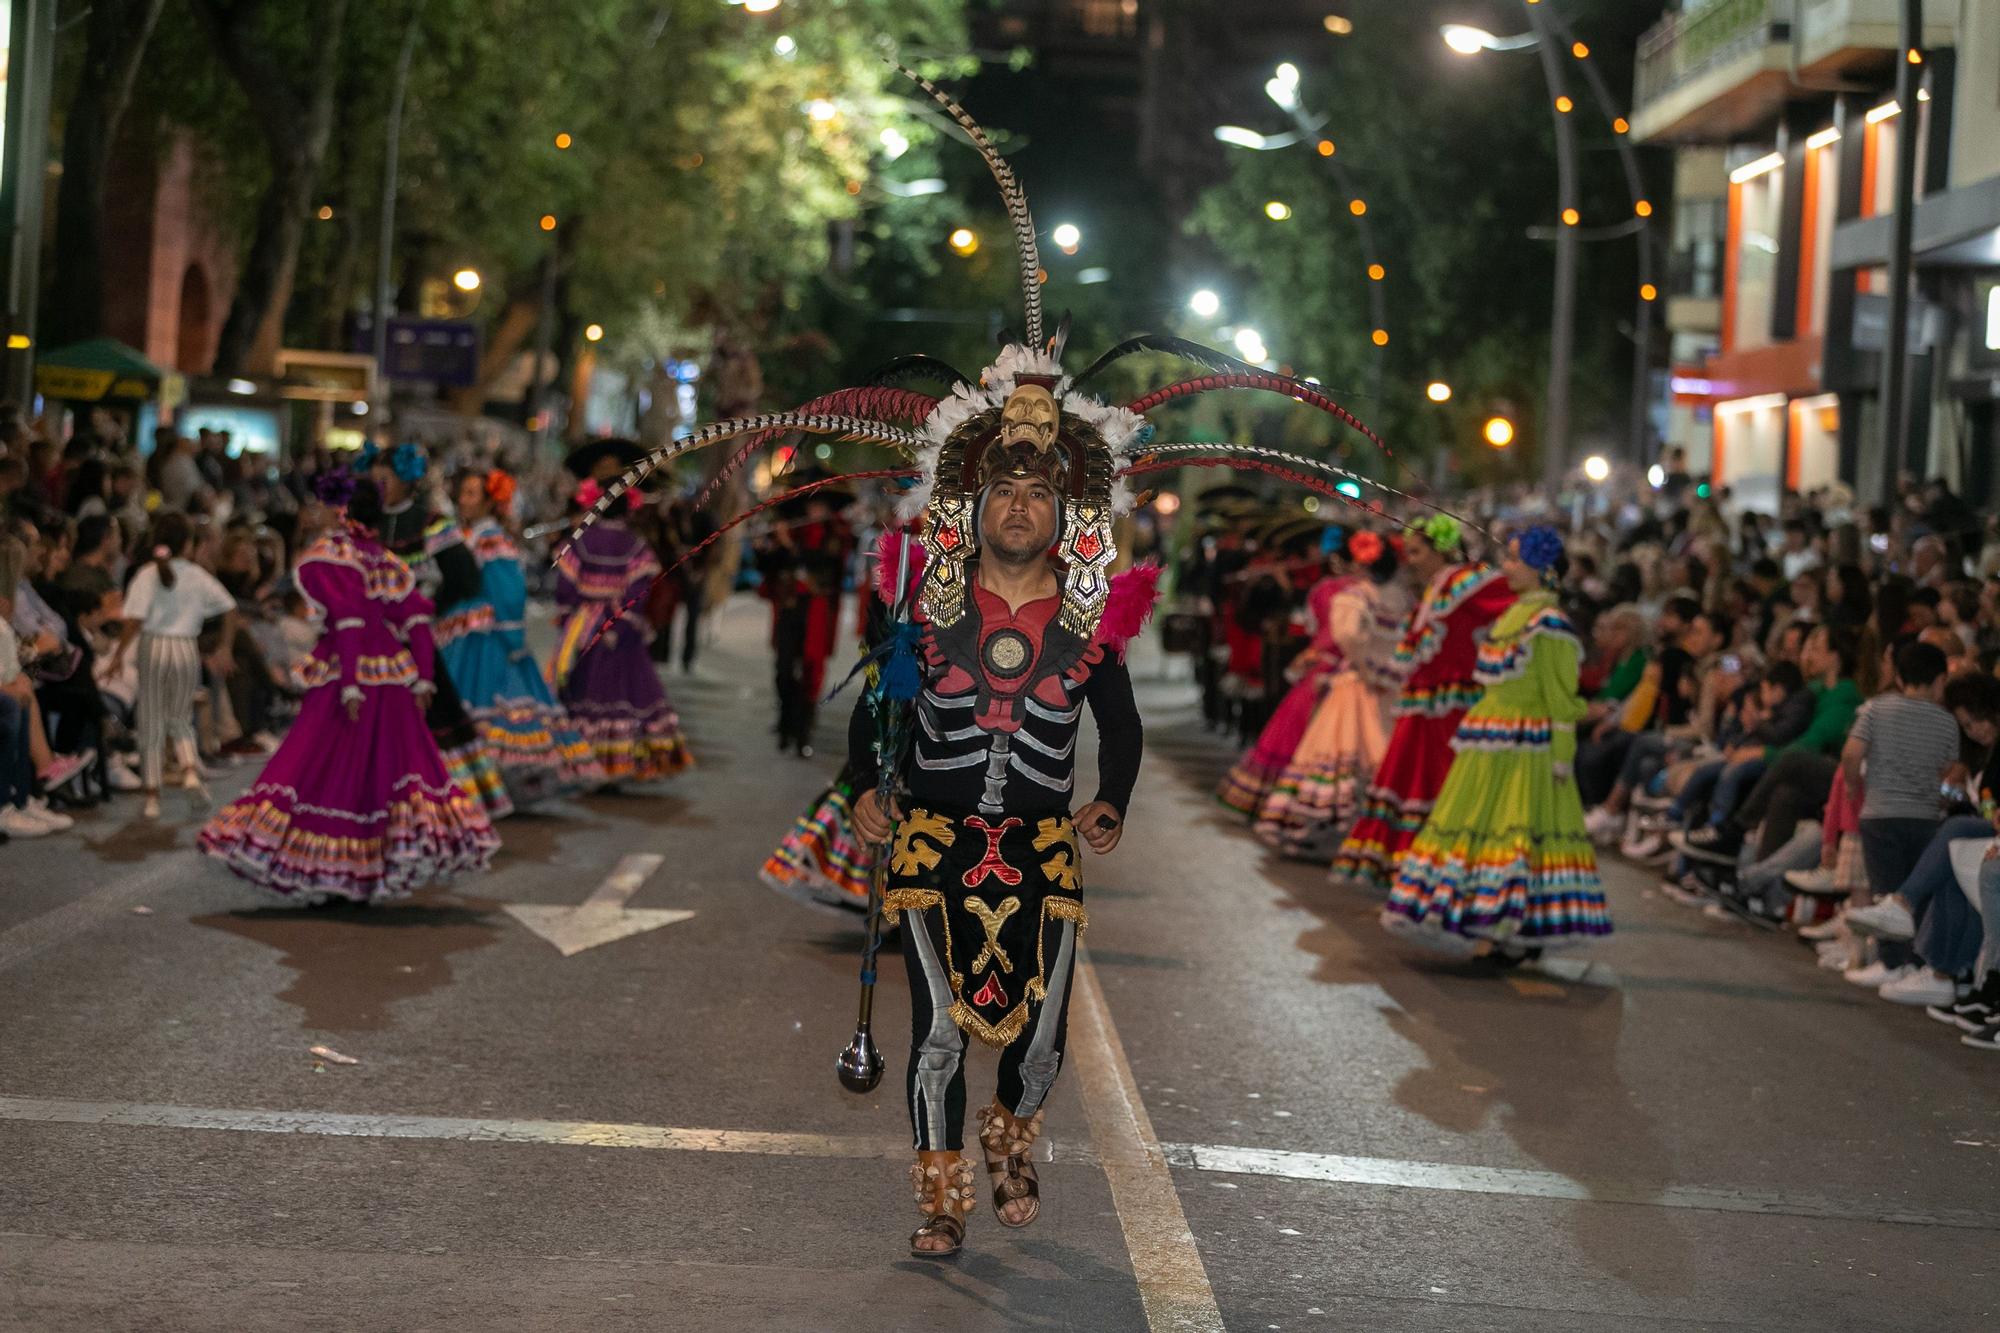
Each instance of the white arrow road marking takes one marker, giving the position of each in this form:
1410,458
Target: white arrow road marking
603,916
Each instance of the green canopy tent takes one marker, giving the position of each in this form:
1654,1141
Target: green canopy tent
104,370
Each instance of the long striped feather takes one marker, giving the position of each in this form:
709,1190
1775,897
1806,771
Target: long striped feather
1011,195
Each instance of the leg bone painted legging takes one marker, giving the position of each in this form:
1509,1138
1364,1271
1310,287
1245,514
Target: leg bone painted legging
169,674
936,1081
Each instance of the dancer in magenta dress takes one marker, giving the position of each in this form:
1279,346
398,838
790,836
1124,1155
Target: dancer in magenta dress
608,680
1246,785
356,803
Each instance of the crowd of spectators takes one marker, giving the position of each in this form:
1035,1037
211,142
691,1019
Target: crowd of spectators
1793,717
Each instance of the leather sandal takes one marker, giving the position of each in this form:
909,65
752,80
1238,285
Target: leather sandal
944,1196
1007,1142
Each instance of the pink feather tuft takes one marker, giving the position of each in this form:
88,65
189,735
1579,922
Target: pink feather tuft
1128,607
888,551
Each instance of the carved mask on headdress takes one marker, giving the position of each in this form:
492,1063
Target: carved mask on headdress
1026,444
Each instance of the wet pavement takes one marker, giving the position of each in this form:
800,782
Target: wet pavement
1275,1117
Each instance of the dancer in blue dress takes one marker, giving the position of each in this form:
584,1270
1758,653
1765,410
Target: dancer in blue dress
540,752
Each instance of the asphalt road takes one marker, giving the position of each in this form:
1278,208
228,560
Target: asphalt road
1272,1116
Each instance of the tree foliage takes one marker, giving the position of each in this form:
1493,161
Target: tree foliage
1455,160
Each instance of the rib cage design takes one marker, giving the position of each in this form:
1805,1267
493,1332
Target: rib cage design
1011,194
811,423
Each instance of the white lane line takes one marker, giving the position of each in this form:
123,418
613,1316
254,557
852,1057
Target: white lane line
1173,1284
1393,1174
1324,1168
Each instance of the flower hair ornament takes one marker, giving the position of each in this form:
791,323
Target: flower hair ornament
1443,532
365,456
1541,550
1365,547
409,462
334,488
499,486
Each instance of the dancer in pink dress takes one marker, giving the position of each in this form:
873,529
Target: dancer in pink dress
1249,782
1318,795
356,803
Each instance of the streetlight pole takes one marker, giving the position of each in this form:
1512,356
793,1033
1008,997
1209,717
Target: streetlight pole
391,152
1895,355
1562,333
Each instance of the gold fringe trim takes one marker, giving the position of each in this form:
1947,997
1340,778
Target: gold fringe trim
997,1035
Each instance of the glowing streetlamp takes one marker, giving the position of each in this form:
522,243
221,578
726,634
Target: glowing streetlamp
1205,304
1067,237
1277,210
1499,432
1250,345
1438,391
593,333
964,242
466,280
1596,468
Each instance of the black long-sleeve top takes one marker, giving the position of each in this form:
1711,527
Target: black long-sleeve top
941,730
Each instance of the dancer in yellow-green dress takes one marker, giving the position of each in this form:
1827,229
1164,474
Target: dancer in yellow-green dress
1503,865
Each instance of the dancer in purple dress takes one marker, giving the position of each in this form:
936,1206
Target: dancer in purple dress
608,680
356,803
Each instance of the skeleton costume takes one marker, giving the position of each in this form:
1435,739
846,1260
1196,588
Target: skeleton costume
986,859
984,867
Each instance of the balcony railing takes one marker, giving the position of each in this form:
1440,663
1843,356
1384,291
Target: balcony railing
1684,46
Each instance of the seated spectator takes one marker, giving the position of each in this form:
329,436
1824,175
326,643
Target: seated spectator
1927,908
1781,714
1685,713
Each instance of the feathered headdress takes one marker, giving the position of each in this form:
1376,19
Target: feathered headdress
1024,415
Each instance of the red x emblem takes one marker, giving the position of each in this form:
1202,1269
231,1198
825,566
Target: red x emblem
991,865
991,994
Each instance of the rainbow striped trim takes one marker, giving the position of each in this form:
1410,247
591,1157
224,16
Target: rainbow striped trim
1505,659
1503,733
1439,700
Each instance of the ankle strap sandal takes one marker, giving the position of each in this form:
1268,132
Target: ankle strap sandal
944,1196
1007,1142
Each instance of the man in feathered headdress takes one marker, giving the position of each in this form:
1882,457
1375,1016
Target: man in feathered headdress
984,855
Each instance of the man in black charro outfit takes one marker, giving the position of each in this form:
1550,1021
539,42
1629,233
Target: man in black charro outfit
984,858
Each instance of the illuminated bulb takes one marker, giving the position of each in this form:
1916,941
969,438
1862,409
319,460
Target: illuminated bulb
1250,344
1499,432
1648,292
594,333
1205,303
1644,208
1376,273
1580,51
1338,25
1326,148
1357,207
466,280
1571,217
1564,105
326,212
894,144
1067,238
821,110
563,140
964,241
759,6
1380,337
1438,391
548,222
785,47
1596,468
1656,476
1277,211
1621,125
